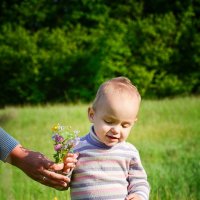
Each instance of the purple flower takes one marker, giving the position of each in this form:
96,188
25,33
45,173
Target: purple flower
71,143
57,147
64,141
57,138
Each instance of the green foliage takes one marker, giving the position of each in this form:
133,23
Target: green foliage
168,84
141,78
60,51
19,68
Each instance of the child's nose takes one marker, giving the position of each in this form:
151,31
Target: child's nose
115,129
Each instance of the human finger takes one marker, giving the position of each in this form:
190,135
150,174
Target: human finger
70,161
56,166
59,185
73,154
132,197
52,179
51,175
70,158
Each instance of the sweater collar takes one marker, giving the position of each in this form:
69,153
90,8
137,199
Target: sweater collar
94,140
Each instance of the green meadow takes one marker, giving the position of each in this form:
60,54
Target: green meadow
167,134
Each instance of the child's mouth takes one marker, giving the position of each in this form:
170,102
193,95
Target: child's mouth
112,137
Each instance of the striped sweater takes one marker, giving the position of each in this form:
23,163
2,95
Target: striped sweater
104,172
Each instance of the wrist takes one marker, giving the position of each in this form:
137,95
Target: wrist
16,155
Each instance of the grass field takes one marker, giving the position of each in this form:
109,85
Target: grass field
167,135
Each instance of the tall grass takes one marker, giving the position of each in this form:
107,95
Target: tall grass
167,135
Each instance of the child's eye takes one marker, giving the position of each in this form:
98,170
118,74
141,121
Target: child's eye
108,121
125,125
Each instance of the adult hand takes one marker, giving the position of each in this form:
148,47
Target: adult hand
39,168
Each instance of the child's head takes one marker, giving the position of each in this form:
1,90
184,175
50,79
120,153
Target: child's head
114,110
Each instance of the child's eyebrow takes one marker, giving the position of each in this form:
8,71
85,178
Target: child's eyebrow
110,117
107,117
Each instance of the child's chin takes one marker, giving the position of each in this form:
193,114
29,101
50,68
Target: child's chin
110,144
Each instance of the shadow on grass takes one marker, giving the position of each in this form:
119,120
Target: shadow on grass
5,117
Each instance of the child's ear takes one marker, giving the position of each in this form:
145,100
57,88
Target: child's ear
136,119
91,114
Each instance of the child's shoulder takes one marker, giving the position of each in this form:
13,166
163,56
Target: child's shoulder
82,144
131,147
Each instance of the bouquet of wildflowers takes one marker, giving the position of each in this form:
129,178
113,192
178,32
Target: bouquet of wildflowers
64,141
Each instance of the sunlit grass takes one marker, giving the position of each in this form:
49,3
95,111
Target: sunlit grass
167,135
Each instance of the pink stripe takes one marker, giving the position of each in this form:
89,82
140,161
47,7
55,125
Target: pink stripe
99,176
100,190
86,162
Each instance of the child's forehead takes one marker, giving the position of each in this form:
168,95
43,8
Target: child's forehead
116,90
122,92
123,104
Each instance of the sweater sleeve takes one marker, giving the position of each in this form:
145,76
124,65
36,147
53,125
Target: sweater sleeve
7,144
137,178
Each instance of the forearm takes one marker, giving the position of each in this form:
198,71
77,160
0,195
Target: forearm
140,187
137,178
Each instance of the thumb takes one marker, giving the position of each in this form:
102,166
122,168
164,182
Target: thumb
57,166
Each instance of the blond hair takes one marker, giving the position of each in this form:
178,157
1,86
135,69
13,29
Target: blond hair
115,85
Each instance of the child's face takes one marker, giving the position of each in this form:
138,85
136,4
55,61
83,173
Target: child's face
114,117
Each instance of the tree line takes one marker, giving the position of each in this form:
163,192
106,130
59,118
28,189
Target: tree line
60,51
